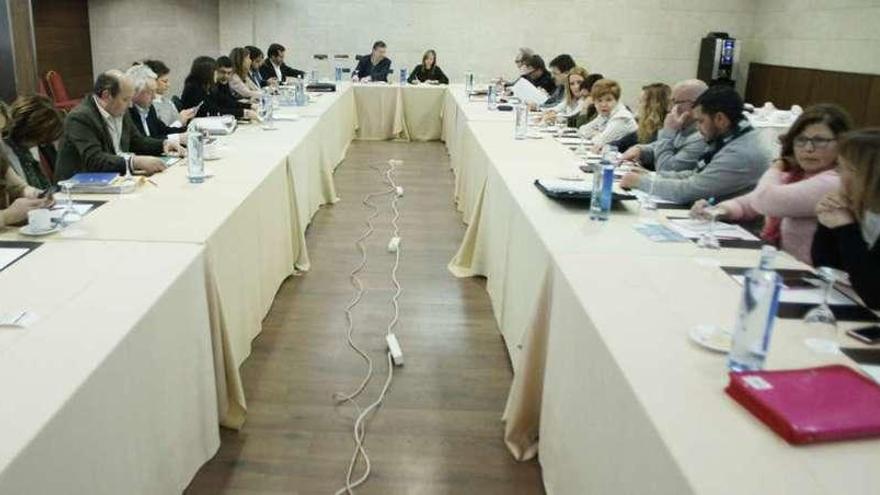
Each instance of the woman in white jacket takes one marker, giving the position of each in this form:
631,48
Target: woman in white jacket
613,121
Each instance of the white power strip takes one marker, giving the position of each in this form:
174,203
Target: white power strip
394,349
393,244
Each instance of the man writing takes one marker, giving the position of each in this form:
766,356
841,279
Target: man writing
373,67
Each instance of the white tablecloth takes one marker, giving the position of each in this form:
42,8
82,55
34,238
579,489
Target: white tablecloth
391,111
111,390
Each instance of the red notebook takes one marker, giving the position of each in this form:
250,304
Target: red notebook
811,405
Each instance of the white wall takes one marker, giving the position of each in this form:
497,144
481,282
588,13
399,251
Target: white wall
839,35
174,31
633,41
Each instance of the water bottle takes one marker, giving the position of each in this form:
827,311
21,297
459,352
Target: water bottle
600,196
492,98
757,313
522,121
469,82
195,144
301,96
313,78
403,76
338,74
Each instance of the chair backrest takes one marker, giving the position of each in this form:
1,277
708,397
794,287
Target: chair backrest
56,86
41,88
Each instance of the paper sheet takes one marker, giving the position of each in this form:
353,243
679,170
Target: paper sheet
641,196
693,229
527,92
8,255
808,295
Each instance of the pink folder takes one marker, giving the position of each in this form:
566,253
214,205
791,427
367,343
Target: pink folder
811,405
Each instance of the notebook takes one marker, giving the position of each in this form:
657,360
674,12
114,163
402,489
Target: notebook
94,179
824,404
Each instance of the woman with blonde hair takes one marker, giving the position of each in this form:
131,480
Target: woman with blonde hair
572,103
849,218
654,104
240,83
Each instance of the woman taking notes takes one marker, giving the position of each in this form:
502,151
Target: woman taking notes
788,192
573,102
849,218
241,83
428,71
614,120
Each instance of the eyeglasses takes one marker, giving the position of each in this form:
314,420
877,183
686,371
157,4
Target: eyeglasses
819,143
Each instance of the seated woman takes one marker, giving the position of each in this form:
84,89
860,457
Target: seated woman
588,110
849,218
428,71
572,103
16,197
789,190
613,121
167,112
31,121
240,83
200,90
257,59
654,104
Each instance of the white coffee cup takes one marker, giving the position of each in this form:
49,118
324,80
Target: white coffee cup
40,220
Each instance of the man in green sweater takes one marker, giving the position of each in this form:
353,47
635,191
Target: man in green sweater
99,135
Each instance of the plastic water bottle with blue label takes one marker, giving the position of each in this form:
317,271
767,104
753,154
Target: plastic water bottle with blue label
469,83
492,98
601,194
195,164
756,316
402,76
301,97
338,74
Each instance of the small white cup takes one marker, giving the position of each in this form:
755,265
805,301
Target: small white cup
40,220
211,151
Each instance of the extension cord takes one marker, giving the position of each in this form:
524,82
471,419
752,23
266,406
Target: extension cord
394,244
394,349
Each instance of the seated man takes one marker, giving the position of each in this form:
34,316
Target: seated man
99,135
559,70
373,67
221,94
733,163
274,70
536,73
142,111
679,144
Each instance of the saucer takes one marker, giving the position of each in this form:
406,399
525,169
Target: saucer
28,231
711,337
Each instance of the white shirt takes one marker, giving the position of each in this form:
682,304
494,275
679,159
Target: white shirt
113,124
871,228
144,113
278,72
603,130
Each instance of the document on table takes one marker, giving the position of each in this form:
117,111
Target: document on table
80,208
814,294
9,255
694,228
658,232
527,92
641,196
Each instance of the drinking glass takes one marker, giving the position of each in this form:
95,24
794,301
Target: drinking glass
709,240
70,215
822,318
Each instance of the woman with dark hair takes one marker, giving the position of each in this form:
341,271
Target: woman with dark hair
428,71
587,110
199,90
167,112
789,190
849,218
240,83
31,121
16,197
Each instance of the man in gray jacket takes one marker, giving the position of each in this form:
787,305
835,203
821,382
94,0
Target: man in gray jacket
732,164
679,144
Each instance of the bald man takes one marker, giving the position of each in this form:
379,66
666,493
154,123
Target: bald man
679,144
99,135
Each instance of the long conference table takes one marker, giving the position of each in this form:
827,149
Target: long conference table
148,306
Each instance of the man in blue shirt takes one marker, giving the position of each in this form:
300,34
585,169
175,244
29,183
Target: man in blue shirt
373,67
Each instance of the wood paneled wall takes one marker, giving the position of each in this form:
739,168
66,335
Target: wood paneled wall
63,42
785,86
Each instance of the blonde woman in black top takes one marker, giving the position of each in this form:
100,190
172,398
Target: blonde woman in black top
428,71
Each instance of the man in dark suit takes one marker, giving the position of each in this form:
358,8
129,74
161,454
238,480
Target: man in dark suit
99,135
275,68
142,112
373,67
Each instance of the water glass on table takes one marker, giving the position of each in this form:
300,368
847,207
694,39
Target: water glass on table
822,318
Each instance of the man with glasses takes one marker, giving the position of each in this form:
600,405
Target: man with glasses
679,144
733,162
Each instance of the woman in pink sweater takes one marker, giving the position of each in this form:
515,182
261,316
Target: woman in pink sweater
788,192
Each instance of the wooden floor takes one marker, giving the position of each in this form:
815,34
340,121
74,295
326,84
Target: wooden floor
439,430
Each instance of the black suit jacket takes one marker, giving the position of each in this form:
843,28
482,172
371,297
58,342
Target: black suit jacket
87,146
268,72
157,128
378,72
215,102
